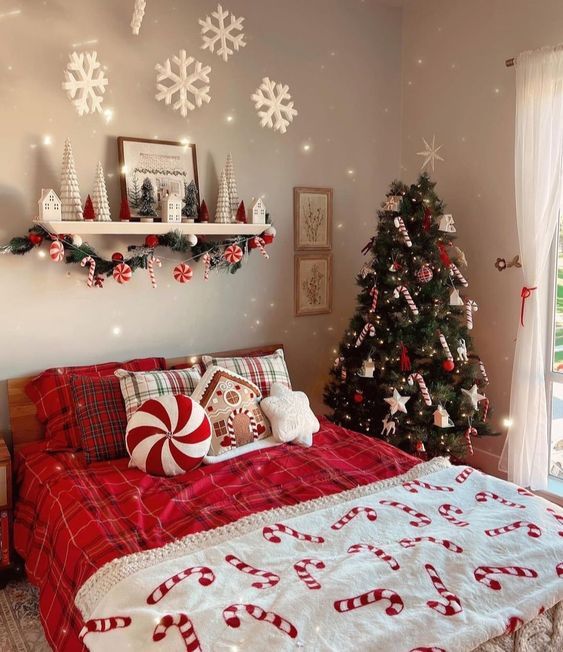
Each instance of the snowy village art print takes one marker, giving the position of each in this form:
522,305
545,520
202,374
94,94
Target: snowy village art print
154,170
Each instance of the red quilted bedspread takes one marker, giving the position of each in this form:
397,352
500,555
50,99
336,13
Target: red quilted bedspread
71,519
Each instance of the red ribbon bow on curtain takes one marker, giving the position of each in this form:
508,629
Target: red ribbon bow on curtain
526,293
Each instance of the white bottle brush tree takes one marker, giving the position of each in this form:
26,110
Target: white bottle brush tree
100,196
71,206
223,212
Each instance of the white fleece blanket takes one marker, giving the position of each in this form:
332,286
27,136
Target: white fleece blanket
441,558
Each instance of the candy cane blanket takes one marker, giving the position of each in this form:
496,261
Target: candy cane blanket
441,558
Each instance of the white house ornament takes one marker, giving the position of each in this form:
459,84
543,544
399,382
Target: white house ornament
455,299
84,83
397,403
447,224
216,31
442,418
273,105
187,83
393,203
430,153
49,206
258,211
462,351
474,396
171,208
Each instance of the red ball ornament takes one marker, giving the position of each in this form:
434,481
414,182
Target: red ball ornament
151,241
35,239
425,274
117,257
448,365
358,397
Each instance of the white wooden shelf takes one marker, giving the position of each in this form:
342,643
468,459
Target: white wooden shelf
88,227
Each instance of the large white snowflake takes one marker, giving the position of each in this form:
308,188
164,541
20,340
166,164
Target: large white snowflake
274,98
184,83
229,42
85,84
430,153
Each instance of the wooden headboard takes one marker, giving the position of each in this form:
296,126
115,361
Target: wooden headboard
25,426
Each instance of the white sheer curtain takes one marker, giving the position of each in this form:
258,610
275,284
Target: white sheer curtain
539,179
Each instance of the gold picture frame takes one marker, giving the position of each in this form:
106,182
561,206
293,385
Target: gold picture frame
313,284
312,218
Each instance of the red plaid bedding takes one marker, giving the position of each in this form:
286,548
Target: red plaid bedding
72,519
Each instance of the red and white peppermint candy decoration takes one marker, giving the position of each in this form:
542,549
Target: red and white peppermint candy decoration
233,254
183,273
168,436
57,251
122,273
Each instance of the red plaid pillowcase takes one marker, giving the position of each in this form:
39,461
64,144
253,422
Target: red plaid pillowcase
51,393
100,413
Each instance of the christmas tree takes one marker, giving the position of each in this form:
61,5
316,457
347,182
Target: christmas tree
71,206
406,370
100,196
231,184
191,202
146,200
223,211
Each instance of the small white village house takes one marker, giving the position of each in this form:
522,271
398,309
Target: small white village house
171,208
258,212
49,206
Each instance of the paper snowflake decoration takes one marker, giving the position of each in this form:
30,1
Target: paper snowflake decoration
191,81
430,153
274,98
85,84
229,41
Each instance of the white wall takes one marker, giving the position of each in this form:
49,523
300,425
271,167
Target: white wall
342,63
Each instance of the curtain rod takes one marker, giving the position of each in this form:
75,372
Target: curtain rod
509,63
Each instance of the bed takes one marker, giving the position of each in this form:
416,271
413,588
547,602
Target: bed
124,559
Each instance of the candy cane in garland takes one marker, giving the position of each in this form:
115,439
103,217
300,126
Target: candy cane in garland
151,262
400,224
416,377
453,603
258,243
378,552
185,627
204,575
484,496
418,519
481,574
395,602
301,568
231,615
533,530
370,513
270,579
270,533
448,545
470,307
206,258
401,289
102,625
447,510
88,260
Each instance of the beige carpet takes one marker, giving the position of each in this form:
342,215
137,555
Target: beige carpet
20,629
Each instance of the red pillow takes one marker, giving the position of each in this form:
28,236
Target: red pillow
99,410
51,393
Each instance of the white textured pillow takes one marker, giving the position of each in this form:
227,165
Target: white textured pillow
290,416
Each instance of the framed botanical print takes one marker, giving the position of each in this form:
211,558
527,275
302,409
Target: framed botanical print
154,169
312,218
313,284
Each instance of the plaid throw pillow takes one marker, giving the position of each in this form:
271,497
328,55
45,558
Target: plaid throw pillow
262,370
100,413
52,395
136,388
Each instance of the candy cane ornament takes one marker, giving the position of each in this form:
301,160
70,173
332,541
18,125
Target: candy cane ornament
204,575
374,293
260,244
185,627
416,377
412,486
454,271
447,512
453,603
418,519
481,574
486,404
88,260
270,533
378,552
270,579
152,261
446,347
370,513
206,266
401,289
395,607
400,224
445,543
470,307
368,329
470,432
102,625
305,576
533,530
484,496
231,616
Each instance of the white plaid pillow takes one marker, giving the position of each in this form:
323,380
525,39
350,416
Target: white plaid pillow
138,387
262,370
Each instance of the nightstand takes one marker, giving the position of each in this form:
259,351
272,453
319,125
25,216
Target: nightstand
5,505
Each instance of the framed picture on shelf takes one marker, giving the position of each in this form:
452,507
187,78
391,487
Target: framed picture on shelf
151,170
313,284
312,218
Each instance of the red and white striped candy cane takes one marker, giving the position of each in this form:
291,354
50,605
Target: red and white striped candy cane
445,346
481,574
454,271
270,533
533,530
446,543
152,261
231,424
401,289
483,372
204,575
370,513
185,627
395,602
422,386
101,625
378,552
470,432
484,496
206,258
270,579
304,575
368,329
453,603
447,510
374,293
462,477
486,404
556,516
88,260
524,492
470,307
412,486
418,520
231,616
400,224
261,245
